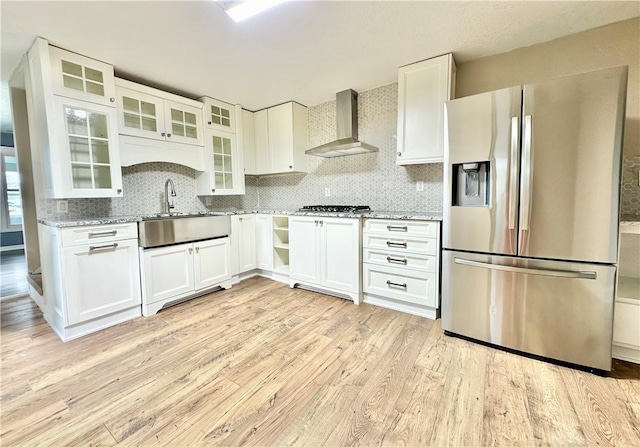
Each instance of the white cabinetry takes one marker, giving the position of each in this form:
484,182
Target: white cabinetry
177,272
72,123
224,172
243,243
91,277
219,115
264,242
626,322
401,265
158,126
248,146
423,88
325,253
281,137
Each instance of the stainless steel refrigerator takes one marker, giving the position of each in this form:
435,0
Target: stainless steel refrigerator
531,210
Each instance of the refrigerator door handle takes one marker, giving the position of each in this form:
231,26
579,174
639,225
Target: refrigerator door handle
527,173
513,172
542,272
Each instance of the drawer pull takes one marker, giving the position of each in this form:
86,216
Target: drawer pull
395,284
397,227
396,260
396,244
102,247
103,234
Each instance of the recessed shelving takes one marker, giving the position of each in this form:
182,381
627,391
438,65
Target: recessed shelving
281,244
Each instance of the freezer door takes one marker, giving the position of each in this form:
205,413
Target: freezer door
482,128
570,174
559,310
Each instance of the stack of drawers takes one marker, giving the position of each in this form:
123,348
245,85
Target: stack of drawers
401,261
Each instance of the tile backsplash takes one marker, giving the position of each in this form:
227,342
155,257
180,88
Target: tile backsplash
367,179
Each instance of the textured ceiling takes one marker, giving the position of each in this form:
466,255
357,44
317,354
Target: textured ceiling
302,51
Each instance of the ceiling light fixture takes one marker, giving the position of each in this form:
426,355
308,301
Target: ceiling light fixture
240,10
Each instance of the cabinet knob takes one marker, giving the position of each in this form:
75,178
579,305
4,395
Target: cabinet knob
168,135
162,134
190,250
119,191
399,154
213,190
290,167
209,122
197,249
112,99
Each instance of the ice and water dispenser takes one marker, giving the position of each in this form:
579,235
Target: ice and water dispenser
470,184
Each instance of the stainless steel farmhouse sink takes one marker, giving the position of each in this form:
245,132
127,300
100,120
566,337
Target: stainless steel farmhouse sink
165,229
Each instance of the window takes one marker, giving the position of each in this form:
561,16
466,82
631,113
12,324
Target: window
11,200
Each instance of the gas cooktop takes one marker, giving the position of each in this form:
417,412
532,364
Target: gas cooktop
336,208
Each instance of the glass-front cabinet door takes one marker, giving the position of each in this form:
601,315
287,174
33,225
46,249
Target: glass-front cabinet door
89,155
219,115
183,123
140,114
224,174
80,77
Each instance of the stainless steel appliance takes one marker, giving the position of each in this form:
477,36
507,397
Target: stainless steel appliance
531,209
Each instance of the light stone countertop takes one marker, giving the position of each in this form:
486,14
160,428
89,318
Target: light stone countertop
78,222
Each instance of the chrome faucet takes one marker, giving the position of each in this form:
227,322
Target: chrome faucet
168,206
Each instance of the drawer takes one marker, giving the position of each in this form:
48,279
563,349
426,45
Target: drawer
401,260
406,285
98,233
398,228
626,325
401,244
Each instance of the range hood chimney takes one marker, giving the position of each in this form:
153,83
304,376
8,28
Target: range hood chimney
347,120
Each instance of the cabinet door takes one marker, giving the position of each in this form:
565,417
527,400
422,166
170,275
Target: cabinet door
280,119
262,150
340,253
264,242
167,272
86,160
219,115
304,262
79,77
212,260
235,244
183,123
247,247
140,114
100,279
422,90
248,148
223,156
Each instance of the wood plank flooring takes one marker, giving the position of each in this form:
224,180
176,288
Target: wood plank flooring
13,273
261,364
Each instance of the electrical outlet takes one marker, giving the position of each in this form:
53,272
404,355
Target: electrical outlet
62,206
420,185
327,192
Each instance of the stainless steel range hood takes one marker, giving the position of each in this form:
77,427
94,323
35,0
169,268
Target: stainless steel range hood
347,120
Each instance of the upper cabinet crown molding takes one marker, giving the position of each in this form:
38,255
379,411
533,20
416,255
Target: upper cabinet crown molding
423,88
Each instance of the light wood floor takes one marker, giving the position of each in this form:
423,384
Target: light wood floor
13,273
261,364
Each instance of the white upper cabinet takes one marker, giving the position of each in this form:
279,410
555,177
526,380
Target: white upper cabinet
248,146
76,140
150,113
79,77
157,126
223,174
281,137
423,88
219,115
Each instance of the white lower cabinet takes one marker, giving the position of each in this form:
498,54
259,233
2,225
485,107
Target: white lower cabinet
325,254
401,265
243,243
264,242
91,277
176,272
